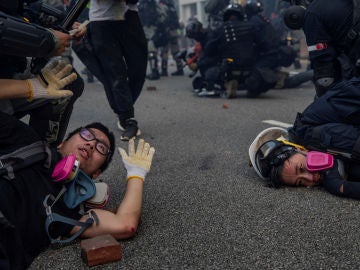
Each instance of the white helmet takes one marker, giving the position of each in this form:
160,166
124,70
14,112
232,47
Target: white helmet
272,133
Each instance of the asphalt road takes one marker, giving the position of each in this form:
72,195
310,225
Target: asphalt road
204,207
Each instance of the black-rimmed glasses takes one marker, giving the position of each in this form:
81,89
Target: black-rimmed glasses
100,146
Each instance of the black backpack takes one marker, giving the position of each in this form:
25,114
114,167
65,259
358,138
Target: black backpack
24,157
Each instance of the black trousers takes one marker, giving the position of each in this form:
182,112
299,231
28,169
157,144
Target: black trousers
121,50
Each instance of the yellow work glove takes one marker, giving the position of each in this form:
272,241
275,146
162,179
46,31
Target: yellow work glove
138,161
53,78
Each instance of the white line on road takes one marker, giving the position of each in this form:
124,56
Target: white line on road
277,123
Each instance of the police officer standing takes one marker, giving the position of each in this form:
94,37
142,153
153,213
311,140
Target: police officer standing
152,20
172,28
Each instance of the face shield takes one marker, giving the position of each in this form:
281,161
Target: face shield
272,154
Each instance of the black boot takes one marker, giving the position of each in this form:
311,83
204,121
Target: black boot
154,75
164,68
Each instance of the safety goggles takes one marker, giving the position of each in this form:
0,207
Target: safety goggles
272,154
89,135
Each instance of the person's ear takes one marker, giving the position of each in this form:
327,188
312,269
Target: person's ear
60,145
96,174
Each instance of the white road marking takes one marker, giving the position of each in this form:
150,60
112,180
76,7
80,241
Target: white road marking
277,123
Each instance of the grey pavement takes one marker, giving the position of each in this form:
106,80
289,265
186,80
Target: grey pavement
204,207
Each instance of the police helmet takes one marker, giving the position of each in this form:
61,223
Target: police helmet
233,10
267,154
303,3
253,7
193,29
294,17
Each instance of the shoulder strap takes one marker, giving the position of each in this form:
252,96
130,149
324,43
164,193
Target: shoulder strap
354,31
53,217
48,202
23,157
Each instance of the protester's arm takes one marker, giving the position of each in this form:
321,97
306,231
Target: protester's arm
124,223
49,85
13,89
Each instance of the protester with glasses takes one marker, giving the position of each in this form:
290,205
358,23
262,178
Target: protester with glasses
331,124
24,231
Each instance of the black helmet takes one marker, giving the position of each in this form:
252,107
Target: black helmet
233,10
193,29
304,3
253,7
294,17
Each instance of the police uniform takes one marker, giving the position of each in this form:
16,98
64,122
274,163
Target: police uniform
332,121
152,19
171,27
267,43
49,118
326,27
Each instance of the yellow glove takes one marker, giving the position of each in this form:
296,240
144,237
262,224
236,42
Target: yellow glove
54,77
137,162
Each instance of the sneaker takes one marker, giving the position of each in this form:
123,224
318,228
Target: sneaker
131,129
206,93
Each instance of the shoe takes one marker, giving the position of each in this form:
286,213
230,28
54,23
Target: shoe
131,129
179,72
206,93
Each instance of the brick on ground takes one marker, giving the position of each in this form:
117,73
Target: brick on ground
100,250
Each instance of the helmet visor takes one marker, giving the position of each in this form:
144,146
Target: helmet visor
272,154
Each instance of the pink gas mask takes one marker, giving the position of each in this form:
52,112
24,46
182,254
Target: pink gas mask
318,161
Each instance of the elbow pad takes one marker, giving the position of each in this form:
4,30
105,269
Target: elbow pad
324,77
23,39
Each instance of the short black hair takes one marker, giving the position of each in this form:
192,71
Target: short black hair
107,132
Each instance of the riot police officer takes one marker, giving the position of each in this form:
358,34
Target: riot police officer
206,63
152,22
331,36
234,42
